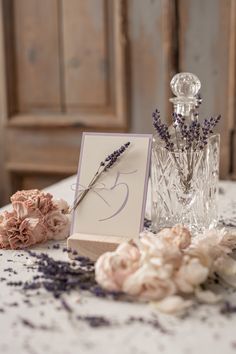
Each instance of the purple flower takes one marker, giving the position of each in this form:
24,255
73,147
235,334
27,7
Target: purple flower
162,130
111,159
192,135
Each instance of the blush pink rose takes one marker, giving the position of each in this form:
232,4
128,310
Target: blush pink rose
113,268
57,224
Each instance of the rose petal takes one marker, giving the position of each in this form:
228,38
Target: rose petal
172,304
207,296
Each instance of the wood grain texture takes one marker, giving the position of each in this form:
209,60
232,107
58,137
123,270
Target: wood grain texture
207,48
95,72
36,48
151,38
93,246
52,151
233,147
39,180
83,120
86,61
4,177
46,103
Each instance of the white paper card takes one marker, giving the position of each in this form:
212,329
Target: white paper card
115,206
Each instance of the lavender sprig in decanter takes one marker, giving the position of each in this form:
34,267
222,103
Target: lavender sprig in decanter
185,162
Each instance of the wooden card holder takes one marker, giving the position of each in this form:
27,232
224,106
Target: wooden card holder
92,246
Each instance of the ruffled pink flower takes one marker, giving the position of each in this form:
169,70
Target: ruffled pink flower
22,234
34,219
7,220
30,232
58,225
113,268
32,203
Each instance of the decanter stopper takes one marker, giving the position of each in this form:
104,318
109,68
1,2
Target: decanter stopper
185,86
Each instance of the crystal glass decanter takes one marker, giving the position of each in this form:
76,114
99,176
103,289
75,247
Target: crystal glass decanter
185,163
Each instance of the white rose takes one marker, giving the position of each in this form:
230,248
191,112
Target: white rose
146,285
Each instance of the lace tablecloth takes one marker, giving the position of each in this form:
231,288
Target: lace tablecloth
39,324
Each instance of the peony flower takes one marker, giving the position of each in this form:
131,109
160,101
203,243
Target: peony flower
146,285
26,233
191,274
57,224
32,203
113,268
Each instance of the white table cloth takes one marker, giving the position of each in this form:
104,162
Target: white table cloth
204,331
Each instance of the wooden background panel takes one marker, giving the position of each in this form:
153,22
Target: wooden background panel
207,48
4,180
233,147
36,47
35,180
86,61
151,28
43,151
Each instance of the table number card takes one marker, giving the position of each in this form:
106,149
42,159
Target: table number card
113,208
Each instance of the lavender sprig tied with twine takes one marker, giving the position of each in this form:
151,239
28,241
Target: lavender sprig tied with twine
186,140
104,166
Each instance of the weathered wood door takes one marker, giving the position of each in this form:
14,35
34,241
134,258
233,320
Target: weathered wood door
206,46
73,65
62,71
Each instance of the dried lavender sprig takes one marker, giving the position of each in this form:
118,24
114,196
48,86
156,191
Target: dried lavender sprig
207,129
195,134
162,130
190,137
103,167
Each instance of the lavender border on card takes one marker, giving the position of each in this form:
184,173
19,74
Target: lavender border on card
146,175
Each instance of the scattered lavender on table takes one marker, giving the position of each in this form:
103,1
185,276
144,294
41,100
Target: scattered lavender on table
228,309
61,277
104,166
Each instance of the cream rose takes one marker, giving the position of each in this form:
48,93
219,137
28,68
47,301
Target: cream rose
61,205
146,285
177,235
113,268
57,224
157,252
191,274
